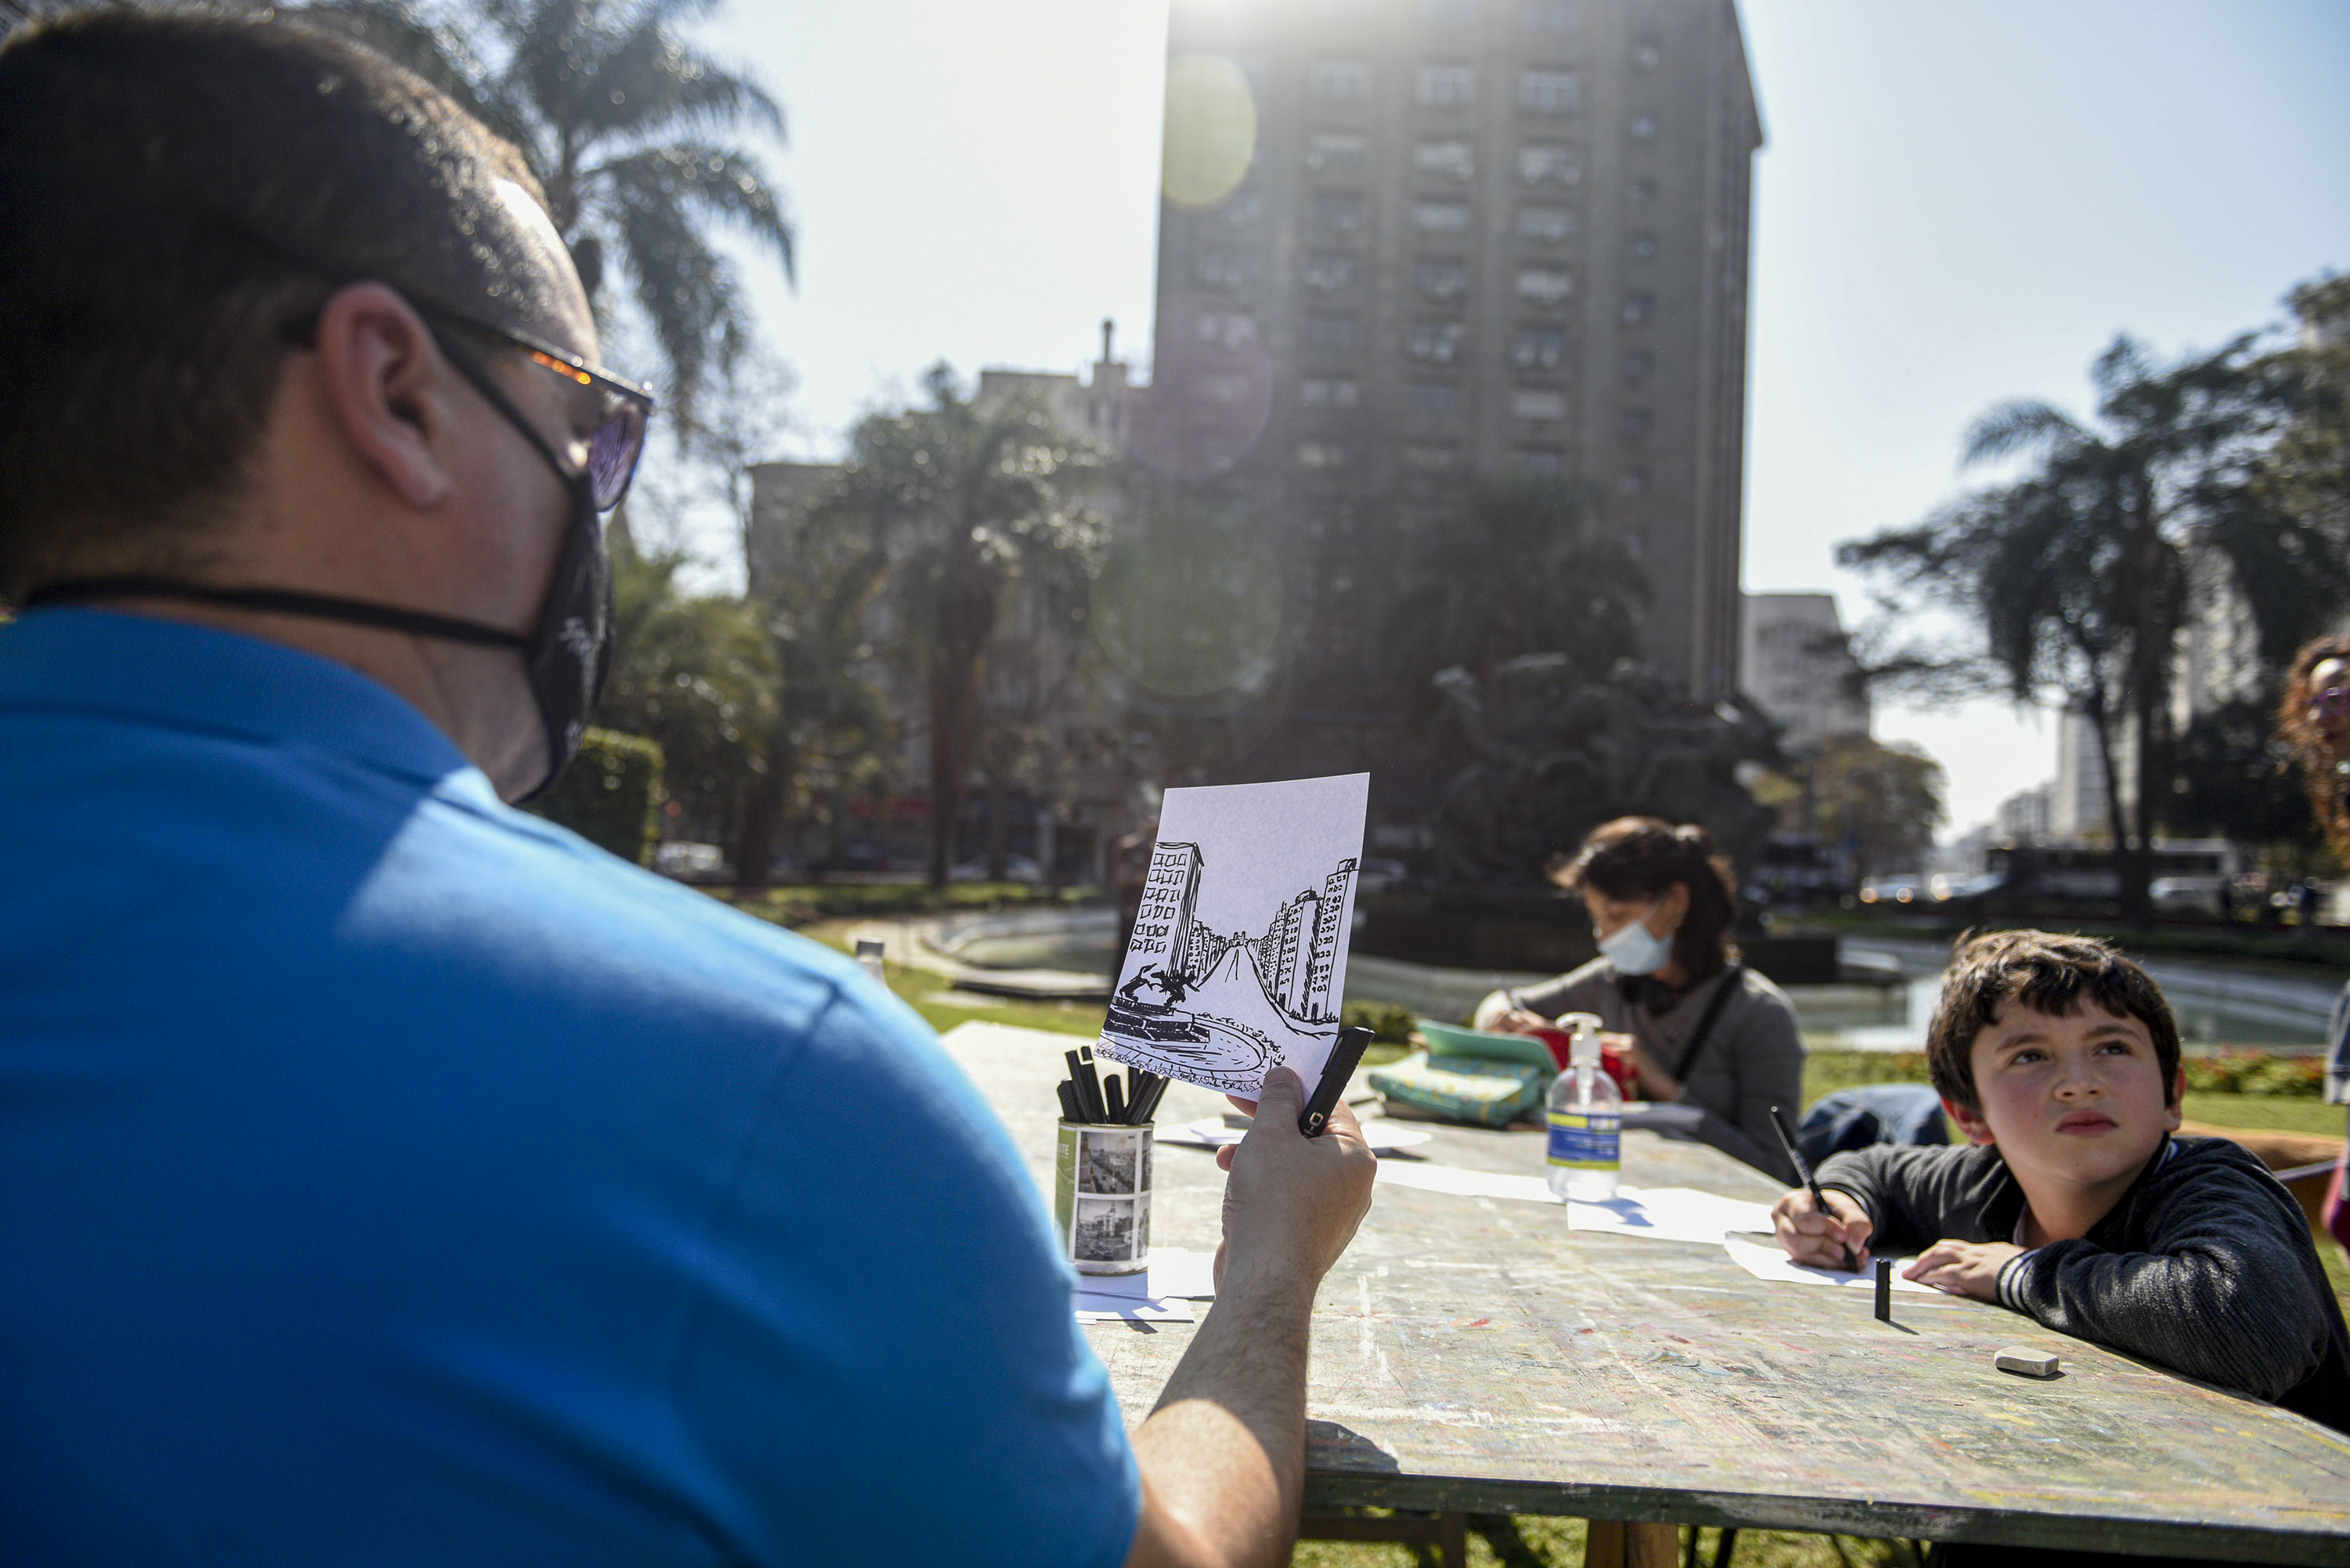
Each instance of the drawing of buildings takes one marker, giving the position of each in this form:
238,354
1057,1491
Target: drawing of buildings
1163,926
1315,1001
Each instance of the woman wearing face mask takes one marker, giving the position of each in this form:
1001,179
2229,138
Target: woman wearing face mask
1701,1028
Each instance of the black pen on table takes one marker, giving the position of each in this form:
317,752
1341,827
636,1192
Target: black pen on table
1803,1171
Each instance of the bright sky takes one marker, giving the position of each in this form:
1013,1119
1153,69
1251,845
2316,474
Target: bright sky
1957,205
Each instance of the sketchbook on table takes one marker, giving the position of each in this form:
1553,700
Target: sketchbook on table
1238,961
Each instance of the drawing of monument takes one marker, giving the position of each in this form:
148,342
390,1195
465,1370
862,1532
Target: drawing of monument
1217,1008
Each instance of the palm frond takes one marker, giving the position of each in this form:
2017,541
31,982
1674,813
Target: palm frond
711,180
2020,426
650,81
686,289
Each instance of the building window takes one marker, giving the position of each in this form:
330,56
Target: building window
1448,12
1638,364
1331,334
1320,454
1450,160
1540,463
1538,403
1635,422
1431,457
1539,348
1632,482
1544,284
1641,247
1335,152
1646,57
1439,217
1434,398
1644,128
1641,190
1446,87
1327,272
1326,393
1441,279
1546,92
1338,212
1436,342
1221,269
1640,308
1342,81
1229,328
1542,163
1547,224
1549,16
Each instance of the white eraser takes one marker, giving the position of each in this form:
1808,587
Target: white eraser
2025,1362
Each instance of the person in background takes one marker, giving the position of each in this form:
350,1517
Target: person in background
1700,1027
387,1175
2314,719
2072,1202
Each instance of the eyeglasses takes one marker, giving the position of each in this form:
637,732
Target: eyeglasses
2334,702
624,408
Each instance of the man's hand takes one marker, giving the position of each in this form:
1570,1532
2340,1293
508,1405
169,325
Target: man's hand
1962,1268
1293,1202
1817,1239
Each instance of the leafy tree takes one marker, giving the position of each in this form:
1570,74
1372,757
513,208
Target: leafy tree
620,118
2234,778
2076,575
694,673
974,505
1518,571
1885,801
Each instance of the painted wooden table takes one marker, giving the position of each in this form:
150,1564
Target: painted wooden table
1475,1354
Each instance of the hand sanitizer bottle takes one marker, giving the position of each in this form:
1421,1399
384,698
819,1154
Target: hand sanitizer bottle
1587,1118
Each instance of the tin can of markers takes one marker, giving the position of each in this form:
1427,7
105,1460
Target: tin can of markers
1101,1196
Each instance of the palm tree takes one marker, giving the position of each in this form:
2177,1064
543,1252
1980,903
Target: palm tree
2078,575
616,114
974,503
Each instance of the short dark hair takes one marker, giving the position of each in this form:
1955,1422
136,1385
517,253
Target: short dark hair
169,182
2048,973
1640,858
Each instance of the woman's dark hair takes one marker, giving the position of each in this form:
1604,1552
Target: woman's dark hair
1640,858
2299,730
159,173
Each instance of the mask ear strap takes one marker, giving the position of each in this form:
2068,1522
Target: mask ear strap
279,601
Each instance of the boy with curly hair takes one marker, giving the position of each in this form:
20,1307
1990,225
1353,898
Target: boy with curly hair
2072,1201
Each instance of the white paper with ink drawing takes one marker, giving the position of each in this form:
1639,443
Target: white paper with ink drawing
1238,961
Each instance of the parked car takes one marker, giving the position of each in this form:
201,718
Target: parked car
1894,887
1016,868
2197,895
690,862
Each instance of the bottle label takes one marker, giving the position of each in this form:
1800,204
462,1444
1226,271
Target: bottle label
1586,1140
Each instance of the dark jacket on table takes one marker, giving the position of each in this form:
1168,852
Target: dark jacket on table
1751,1059
2205,1266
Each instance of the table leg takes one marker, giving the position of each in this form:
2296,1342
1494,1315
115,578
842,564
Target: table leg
1634,1544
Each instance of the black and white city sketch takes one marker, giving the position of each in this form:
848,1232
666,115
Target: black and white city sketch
1238,961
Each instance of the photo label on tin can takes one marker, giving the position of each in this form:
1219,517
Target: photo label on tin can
1106,1231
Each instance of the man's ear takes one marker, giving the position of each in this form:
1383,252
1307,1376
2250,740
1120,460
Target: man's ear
385,385
1969,1121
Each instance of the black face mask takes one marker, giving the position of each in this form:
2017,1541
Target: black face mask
567,655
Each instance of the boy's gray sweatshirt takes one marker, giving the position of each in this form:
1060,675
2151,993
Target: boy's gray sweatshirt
2205,1266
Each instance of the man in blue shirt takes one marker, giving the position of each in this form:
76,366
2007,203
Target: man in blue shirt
387,1176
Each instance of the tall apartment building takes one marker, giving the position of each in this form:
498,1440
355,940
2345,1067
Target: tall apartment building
1480,235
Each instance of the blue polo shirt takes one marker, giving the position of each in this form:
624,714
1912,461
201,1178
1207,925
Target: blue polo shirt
389,1177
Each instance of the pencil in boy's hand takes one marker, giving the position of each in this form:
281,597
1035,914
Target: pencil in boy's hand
1803,1174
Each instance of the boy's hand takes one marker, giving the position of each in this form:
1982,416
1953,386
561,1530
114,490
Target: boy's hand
1817,1241
1962,1268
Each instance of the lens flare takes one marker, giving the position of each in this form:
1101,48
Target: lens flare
1211,131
